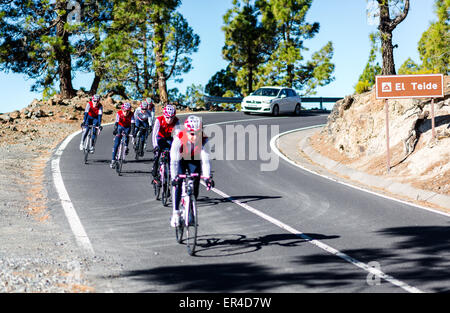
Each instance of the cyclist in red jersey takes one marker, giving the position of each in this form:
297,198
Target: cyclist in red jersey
164,130
92,116
124,119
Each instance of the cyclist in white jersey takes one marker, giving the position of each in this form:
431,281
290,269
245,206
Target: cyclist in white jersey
188,153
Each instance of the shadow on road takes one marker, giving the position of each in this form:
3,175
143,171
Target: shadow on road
220,245
207,201
420,256
243,276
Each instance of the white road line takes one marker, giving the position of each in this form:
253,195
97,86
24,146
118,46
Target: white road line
274,148
69,210
321,245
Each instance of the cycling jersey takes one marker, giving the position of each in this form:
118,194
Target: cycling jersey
124,121
145,115
94,111
183,149
163,130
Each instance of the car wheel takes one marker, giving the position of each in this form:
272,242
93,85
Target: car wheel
275,110
297,109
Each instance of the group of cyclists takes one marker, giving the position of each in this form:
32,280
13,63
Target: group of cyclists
187,145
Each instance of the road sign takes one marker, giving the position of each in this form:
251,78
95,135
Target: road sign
410,86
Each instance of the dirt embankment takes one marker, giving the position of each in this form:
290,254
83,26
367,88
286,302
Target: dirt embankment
355,135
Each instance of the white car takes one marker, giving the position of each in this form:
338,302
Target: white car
272,100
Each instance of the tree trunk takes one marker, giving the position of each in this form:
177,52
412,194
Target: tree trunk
250,80
95,84
160,63
388,54
63,56
386,27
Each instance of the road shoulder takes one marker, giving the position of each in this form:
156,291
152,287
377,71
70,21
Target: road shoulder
296,147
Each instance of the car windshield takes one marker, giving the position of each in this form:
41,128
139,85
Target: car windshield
267,92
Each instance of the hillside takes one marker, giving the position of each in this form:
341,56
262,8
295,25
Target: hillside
356,136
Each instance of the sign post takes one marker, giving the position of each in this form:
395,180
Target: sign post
388,153
408,87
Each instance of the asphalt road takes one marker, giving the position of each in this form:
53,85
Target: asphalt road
239,251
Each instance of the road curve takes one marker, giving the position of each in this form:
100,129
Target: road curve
239,249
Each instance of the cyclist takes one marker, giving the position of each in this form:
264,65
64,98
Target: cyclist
124,119
188,153
144,116
92,116
165,129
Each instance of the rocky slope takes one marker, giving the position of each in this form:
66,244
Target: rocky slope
356,136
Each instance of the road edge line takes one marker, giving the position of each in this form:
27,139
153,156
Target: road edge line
77,228
275,149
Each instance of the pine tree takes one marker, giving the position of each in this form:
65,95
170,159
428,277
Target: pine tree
248,42
35,40
434,46
367,79
389,20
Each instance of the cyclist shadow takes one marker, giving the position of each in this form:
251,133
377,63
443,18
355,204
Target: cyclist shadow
207,201
222,245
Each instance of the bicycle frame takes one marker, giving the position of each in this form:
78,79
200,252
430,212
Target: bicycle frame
88,142
164,174
120,155
189,214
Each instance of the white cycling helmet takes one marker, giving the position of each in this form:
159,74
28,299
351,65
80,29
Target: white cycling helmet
169,111
193,123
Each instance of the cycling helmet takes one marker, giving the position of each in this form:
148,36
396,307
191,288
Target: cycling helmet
126,106
149,101
169,111
193,123
144,105
95,98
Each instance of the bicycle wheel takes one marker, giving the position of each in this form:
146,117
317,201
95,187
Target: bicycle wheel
156,188
137,145
119,162
87,144
179,230
165,187
191,225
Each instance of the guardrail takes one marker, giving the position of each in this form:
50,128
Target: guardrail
320,100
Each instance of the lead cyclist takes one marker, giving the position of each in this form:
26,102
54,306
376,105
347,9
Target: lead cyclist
188,153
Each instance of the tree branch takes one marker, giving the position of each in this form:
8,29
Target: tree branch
393,24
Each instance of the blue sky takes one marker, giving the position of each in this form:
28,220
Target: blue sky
344,22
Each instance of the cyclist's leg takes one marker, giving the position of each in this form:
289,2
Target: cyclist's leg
96,123
176,196
195,166
144,132
136,127
127,138
116,142
162,143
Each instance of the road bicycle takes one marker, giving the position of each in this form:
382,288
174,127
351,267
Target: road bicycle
139,142
88,141
120,155
163,188
188,212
